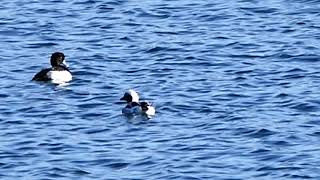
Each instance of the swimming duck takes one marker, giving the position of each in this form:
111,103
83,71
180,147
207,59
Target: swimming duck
147,108
134,107
57,73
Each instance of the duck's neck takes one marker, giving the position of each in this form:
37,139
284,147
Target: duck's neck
60,68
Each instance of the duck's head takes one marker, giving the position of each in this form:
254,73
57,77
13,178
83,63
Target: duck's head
57,59
130,96
144,106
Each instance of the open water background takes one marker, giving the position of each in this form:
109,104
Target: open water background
235,84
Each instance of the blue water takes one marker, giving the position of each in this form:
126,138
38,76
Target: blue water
235,85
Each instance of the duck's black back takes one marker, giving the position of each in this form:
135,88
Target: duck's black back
42,75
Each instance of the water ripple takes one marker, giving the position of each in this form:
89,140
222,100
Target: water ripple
234,85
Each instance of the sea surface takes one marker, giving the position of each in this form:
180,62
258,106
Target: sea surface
236,86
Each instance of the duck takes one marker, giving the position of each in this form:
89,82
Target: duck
58,73
147,108
134,106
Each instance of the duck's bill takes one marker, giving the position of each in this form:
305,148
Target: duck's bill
65,64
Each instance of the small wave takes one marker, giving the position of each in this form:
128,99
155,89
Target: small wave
261,133
305,107
40,45
118,165
261,10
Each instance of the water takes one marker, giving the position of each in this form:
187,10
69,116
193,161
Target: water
235,85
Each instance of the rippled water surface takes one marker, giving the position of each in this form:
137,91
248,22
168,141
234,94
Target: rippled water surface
235,85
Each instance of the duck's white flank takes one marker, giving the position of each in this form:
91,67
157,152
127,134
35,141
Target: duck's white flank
60,76
151,111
